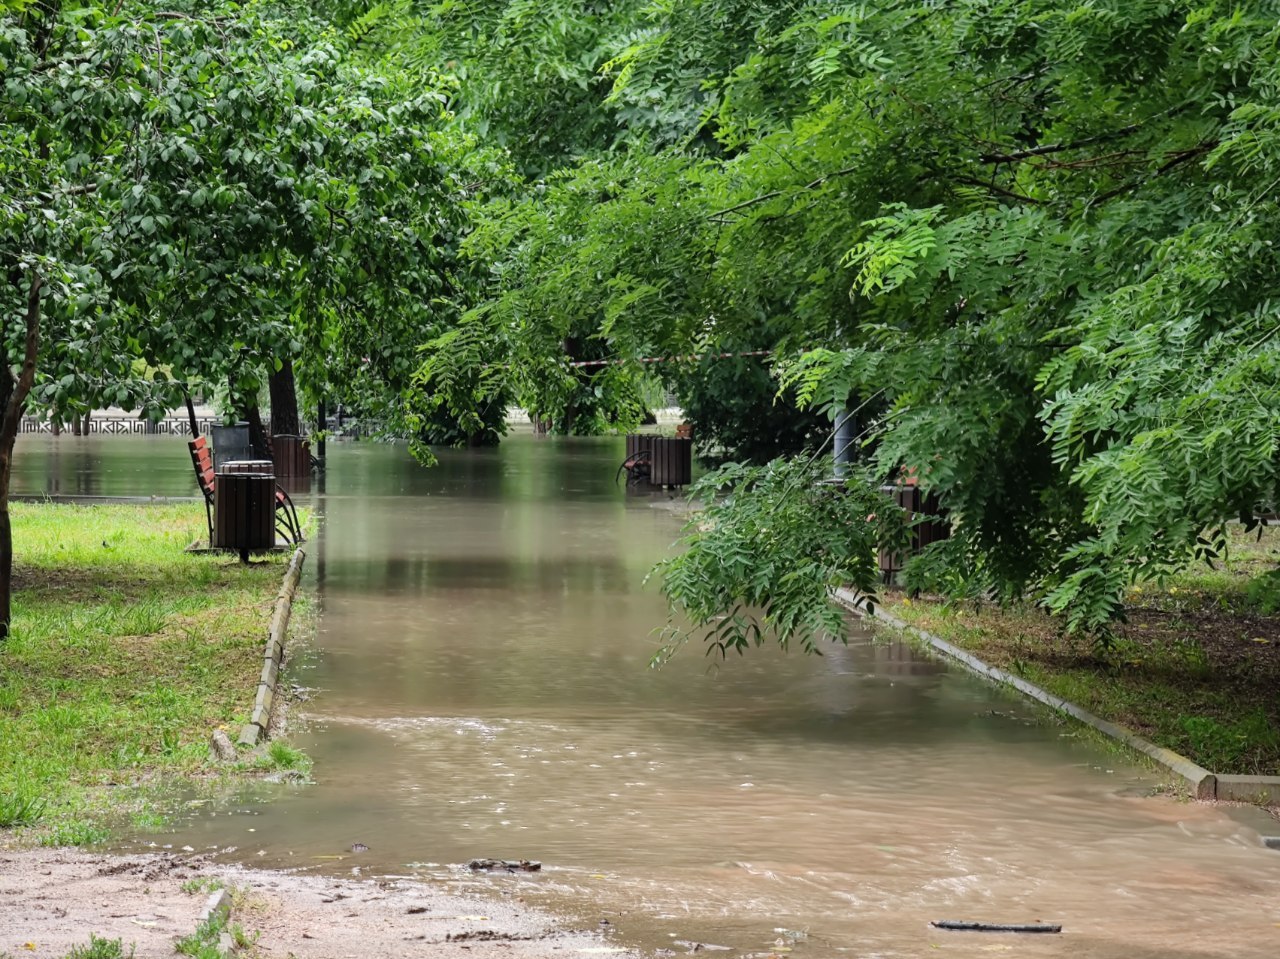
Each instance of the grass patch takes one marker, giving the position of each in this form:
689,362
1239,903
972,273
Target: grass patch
205,942
1194,667
283,756
99,948
74,832
21,808
125,653
149,820
202,884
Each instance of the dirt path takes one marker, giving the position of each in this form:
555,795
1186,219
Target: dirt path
52,900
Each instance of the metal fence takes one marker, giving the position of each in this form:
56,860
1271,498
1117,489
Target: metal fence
120,426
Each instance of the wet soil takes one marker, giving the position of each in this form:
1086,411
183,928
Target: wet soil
52,900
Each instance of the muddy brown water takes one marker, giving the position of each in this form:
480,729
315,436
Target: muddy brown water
481,688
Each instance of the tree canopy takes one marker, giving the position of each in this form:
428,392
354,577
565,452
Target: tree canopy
1034,236
210,192
1031,241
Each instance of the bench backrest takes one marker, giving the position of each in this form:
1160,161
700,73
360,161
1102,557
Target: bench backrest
202,460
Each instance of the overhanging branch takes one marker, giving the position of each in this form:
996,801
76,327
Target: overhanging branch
994,188
774,194
1177,158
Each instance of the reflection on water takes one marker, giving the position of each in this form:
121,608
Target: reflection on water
140,465
483,691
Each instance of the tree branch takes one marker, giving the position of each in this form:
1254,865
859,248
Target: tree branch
1117,158
1016,155
79,188
159,60
174,15
1180,157
774,194
1001,191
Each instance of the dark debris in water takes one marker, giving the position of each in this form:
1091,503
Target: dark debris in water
964,926
504,865
701,946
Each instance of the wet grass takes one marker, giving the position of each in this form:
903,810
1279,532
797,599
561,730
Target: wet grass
125,654
1195,666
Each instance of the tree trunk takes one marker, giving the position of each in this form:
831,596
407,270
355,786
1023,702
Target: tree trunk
322,426
284,401
258,438
248,411
13,399
6,565
191,414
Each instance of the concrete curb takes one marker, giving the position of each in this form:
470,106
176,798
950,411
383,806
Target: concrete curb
1203,784
219,906
1263,790
256,728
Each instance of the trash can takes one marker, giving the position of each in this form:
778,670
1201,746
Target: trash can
264,467
670,459
913,501
292,456
230,443
244,510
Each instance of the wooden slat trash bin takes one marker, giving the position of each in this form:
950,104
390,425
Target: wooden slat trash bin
670,459
292,455
914,502
247,466
244,510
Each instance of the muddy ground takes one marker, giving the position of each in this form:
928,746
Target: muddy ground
52,900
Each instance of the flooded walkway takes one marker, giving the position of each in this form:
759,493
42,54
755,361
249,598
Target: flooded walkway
482,690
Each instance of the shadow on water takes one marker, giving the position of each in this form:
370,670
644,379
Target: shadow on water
482,689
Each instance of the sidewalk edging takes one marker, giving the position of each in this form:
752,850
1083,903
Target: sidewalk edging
278,632
217,908
1202,783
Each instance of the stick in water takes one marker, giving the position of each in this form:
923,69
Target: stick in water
992,926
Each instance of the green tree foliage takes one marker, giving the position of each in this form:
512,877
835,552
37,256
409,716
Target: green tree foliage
73,91
766,548
737,414
206,191
1033,239
272,196
573,267
462,391
1077,330
1038,232
529,73
386,274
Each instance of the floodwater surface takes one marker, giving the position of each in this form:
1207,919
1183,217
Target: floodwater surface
481,687
92,467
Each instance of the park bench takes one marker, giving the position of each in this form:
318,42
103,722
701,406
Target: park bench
287,524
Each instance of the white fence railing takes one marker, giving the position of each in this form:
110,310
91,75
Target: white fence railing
122,426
